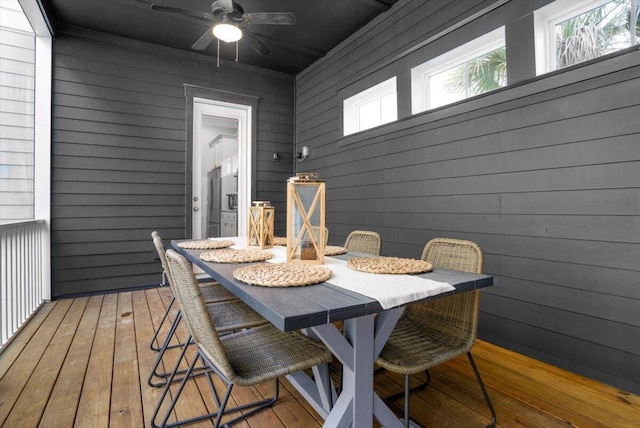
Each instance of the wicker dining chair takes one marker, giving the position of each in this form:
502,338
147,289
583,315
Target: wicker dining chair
433,332
363,241
229,312
245,358
211,290
316,230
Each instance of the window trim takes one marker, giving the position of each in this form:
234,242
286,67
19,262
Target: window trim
351,105
420,74
545,19
42,130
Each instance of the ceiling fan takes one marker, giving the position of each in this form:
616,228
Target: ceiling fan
228,20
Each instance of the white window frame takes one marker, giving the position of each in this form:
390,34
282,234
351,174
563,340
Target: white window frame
420,75
351,105
545,20
42,130
41,29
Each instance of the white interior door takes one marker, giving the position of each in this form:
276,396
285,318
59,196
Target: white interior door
221,142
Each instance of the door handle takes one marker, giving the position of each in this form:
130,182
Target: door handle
196,208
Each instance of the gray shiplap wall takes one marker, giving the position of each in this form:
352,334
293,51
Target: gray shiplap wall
118,155
544,175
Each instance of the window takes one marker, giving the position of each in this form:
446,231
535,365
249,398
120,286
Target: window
370,108
468,70
569,32
25,112
17,79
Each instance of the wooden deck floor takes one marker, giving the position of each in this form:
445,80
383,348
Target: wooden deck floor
84,362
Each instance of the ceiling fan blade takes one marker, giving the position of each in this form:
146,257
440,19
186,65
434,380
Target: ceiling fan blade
225,4
275,18
255,43
203,41
204,16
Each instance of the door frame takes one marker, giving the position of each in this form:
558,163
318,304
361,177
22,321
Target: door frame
221,97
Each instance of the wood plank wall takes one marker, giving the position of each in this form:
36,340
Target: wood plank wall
544,175
118,156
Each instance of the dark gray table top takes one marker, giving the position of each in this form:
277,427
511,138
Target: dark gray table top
293,308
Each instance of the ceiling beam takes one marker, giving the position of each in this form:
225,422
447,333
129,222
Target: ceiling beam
307,51
375,4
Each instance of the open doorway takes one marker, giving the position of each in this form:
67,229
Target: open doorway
221,168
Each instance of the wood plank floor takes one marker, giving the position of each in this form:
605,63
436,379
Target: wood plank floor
84,362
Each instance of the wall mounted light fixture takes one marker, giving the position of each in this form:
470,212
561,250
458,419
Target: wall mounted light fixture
302,155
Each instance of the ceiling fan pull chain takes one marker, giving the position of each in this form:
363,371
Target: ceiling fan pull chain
237,52
218,54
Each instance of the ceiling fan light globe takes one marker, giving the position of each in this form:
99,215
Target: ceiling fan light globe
227,32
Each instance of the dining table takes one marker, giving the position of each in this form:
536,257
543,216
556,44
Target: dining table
368,304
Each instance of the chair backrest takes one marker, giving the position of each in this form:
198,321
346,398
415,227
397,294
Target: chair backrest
316,230
157,242
195,313
455,315
456,254
363,241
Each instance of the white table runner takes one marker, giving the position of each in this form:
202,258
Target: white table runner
390,290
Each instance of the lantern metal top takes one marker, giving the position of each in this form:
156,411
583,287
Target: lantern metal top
305,177
265,204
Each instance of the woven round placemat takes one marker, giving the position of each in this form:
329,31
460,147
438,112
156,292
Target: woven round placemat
282,274
280,241
206,244
334,250
389,265
236,256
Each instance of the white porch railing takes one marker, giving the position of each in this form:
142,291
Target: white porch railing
24,273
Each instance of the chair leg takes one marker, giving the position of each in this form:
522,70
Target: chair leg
164,424
222,410
256,407
166,391
164,375
161,351
419,387
484,390
152,345
406,400
406,393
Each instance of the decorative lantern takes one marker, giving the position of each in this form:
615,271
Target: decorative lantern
261,217
305,219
